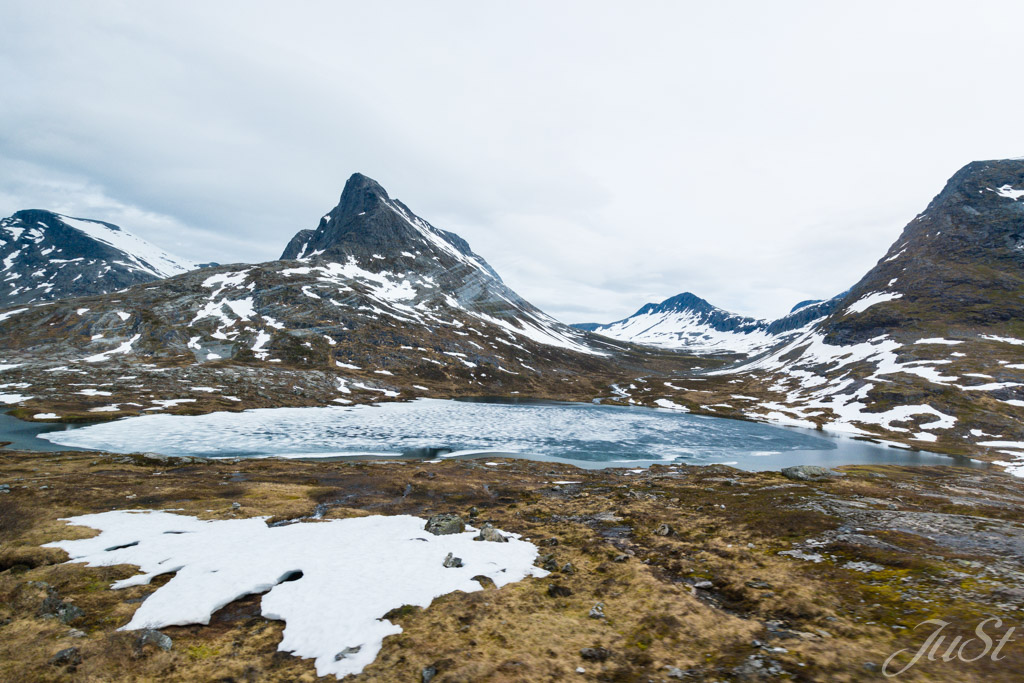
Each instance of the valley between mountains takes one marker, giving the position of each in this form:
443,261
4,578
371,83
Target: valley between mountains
270,569
377,304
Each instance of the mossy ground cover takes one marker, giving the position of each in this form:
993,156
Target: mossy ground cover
685,561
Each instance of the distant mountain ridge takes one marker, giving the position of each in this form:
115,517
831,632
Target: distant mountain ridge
47,256
689,323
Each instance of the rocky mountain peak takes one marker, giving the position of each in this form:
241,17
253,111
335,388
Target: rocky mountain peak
960,262
686,301
361,194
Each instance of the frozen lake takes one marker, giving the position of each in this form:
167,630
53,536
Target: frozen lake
586,435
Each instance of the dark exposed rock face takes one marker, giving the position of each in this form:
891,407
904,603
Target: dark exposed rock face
959,264
48,256
369,227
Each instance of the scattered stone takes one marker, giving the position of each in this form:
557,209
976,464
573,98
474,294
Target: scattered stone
548,542
567,568
704,585
808,473
444,524
473,511
489,533
756,667
484,581
665,530
67,657
76,633
759,584
346,652
235,506
451,562
680,674
557,591
53,606
594,654
5,488
866,567
151,636
597,611
620,558
428,674
548,563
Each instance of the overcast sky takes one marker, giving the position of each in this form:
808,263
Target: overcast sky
598,154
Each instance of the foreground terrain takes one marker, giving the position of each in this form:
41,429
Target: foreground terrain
687,565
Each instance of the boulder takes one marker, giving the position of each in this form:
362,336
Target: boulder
444,524
808,473
151,636
489,533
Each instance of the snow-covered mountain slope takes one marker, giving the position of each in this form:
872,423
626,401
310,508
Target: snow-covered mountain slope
48,256
689,323
929,345
410,267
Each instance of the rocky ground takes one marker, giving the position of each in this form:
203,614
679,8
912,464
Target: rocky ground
671,573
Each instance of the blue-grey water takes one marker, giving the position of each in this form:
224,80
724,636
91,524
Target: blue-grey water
587,435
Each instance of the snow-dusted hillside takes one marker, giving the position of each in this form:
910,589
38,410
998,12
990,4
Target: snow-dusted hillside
376,300
689,323
48,256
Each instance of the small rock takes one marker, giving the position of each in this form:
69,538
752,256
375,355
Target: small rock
597,611
5,488
705,585
444,524
451,562
548,563
759,584
473,511
594,654
620,558
808,473
346,652
548,542
75,633
557,591
567,568
676,672
67,657
53,606
428,674
665,530
580,670
489,533
235,506
153,637
484,581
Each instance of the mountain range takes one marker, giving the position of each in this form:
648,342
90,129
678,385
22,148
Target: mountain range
688,323
926,350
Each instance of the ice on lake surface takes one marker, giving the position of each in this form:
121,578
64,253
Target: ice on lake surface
584,434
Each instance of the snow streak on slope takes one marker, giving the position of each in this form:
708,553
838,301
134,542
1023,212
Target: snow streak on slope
142,254
686,330
331,582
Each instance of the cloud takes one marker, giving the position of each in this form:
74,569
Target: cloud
598,155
